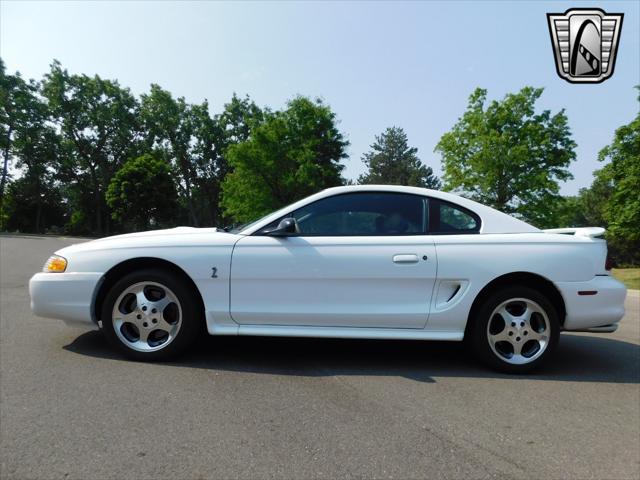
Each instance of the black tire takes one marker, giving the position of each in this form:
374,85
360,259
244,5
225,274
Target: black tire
192,318
498,360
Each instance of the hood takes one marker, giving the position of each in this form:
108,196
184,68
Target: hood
156,233
171,237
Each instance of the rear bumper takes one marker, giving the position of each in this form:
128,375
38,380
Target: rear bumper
66,296
599,312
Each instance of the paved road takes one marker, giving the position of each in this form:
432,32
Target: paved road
266,407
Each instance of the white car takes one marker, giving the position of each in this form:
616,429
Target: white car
384,262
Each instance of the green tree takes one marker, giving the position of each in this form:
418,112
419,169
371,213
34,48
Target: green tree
142,193
391,161
170,126
33,206
16,99
569,212
292,154
239,117
8,113
31,142
212,138
587,208
37,150
622,174
98,120
206,145
508,156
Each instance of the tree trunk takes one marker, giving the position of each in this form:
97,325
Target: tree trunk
107,216
214,207
39,216
96,199
192,213
502,189
106,211
209,187
5,167
187,190
39,206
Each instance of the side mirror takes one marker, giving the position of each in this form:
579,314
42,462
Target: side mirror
285,228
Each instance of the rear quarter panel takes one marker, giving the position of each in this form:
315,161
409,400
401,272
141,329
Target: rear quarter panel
475,260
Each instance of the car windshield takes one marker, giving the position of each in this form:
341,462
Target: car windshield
245,226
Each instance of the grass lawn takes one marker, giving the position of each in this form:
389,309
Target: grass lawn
629,276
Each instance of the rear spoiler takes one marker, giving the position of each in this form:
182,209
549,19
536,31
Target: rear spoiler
591,232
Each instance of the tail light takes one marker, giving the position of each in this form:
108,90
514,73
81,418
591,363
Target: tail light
609,263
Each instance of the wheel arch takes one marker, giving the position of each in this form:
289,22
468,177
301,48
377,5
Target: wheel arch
527,279
123,268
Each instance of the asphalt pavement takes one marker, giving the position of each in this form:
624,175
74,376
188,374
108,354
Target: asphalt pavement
240,407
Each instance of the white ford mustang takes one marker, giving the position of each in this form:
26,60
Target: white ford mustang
349,262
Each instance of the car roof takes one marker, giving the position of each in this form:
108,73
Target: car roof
493,221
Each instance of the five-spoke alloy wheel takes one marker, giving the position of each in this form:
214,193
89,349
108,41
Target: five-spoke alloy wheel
515,329
151,315
147,316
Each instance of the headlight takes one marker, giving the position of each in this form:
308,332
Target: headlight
56,263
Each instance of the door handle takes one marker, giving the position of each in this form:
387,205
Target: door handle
405,258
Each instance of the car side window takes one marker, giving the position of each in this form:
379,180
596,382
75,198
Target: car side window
363,214
447,218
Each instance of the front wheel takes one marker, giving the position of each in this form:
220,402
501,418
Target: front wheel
516,330
151,315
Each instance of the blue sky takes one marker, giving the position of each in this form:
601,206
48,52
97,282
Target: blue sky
378,64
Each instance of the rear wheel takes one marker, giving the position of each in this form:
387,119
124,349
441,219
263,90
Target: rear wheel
151,315
516,330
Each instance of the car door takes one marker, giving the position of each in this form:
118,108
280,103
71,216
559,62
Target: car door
358,260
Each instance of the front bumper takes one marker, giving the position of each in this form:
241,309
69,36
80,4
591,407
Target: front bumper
603,309
66,296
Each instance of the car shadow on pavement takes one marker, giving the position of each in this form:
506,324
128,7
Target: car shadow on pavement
579,358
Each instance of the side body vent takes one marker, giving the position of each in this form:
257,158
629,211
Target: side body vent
449,293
